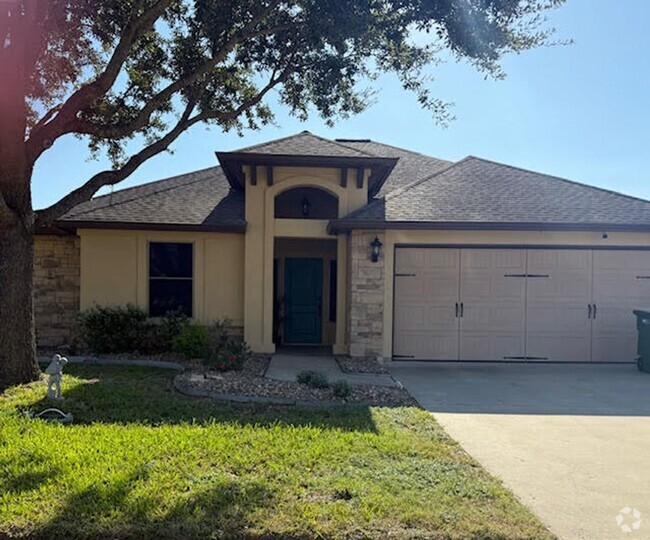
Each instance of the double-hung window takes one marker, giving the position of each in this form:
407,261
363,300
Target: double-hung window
170,278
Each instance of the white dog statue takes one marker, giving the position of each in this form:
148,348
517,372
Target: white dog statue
55,372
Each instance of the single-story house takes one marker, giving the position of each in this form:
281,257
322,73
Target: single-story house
366,248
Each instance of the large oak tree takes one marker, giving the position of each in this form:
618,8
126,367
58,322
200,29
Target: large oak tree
144,71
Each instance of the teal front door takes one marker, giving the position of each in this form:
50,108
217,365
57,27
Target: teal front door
303,300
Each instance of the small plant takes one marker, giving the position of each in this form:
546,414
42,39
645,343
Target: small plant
341,389
231,357
313,379
227,352
192,341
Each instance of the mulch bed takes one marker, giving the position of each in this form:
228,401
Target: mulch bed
247,384
361,365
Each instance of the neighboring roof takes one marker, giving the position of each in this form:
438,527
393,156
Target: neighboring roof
198,200
477,193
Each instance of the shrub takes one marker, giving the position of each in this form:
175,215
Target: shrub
341,389
314,379
170,326
112,329
192,341
128,329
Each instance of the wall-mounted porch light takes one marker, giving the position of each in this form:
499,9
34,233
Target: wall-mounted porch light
375,247
306,205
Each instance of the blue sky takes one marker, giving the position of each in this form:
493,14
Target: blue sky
580,111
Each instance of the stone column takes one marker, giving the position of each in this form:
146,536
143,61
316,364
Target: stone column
56,289
367,281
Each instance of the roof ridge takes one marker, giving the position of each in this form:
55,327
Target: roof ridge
266,143
335,142
156,192
302,133
407,150
560,178
401,190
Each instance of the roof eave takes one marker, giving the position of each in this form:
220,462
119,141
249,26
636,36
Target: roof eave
343,225
232,163
132,225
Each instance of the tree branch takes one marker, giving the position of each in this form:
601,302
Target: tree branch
108,178
118,131
43,138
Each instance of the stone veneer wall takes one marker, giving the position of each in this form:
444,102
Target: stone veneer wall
366,297
56,288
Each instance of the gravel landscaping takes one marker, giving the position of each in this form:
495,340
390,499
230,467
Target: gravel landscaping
361,365
240,384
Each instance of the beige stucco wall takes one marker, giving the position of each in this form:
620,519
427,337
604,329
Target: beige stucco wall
114,270
371,338
56,289
263,229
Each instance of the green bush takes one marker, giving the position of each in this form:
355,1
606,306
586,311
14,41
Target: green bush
112,329
341,389
127,329
314,379
192,341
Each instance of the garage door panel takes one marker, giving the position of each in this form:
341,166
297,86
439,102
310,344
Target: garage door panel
620,286
558,327
426,293
494,304
563,276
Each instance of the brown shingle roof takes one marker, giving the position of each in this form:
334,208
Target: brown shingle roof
481,192
420,191
201,199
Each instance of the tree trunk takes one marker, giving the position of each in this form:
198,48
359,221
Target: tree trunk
17,339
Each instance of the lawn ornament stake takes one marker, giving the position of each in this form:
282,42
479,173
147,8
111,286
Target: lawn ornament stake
55,372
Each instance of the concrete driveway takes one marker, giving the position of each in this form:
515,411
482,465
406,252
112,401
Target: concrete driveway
572,441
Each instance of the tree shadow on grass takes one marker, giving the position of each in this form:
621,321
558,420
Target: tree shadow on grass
108,394
123,508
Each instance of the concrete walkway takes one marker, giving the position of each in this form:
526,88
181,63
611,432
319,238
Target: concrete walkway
571,441
286,366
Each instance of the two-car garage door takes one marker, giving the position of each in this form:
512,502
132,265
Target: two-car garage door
518,304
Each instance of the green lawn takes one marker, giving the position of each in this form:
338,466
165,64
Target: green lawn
141,461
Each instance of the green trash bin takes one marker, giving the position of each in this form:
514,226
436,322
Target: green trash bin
643,344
